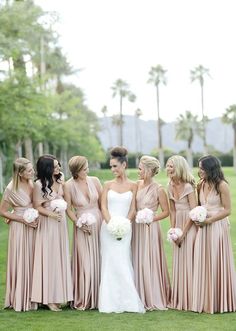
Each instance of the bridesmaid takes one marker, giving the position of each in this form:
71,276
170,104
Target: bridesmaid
52,283
149,260
18,197
182,197
214,273
82,194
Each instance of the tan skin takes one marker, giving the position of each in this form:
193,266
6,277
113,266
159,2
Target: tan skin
146,179
177,191
26,185
83,186
224,195
120,184
56,215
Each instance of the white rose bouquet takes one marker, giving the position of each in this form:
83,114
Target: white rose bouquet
86,219
198,214
58,205
119,227
30,215
173,234
144,216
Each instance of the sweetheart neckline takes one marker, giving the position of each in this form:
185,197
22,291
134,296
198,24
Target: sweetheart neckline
120,192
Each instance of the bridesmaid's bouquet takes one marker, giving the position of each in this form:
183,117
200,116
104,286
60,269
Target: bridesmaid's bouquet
144,216
86,219
119,227
198,214
30,215
173,234
58,205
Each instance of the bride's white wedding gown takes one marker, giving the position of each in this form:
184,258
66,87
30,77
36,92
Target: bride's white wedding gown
117,291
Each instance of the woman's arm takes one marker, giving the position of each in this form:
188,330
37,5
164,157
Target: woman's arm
105,213
98,186
163,204
172,213
67,196
132,209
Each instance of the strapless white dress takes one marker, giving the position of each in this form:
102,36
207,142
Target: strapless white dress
117,292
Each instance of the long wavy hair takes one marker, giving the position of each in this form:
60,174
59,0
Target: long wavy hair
45,169
212,167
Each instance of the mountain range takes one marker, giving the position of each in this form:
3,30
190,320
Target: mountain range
141,136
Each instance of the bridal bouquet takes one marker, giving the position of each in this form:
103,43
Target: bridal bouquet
30,215
119,226
173,234
198,214
144,216
86,219
58,205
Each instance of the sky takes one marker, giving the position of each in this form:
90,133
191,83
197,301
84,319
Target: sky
112,39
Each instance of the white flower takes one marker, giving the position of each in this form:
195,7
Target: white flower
144,216
86,219
58,205
119,226
30,215
198,214
173,234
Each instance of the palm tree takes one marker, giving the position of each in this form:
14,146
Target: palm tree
121,88
229,117
186,127
157,77
138,139
198,74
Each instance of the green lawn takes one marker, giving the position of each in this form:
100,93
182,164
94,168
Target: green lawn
44,320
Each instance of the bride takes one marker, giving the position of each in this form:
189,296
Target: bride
117,291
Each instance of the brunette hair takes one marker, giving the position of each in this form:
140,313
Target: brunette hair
76,164
45,169
19,165
212,167
119,153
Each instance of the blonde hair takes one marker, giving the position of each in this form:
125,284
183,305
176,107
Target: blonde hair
150,164
19,166
182,170
76,164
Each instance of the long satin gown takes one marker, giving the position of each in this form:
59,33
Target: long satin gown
21,245
86,248
150,267
52,281
117,291
182,272
214,282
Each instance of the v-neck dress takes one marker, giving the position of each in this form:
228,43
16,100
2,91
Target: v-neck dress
86,248
182,264
21,244
214,285
52,281
150,267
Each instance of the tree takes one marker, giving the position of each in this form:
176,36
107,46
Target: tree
104,111
121,88
157,76
138,138
198,74
186,127
229,117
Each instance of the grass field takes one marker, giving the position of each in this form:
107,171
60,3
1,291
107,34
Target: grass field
68,320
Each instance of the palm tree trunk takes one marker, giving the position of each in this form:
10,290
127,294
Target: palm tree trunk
121,123
234,148
159,144
18,149
189,155
203,122
1,173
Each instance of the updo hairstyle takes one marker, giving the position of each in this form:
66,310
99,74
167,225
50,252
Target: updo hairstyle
120,154
151,164
76,164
